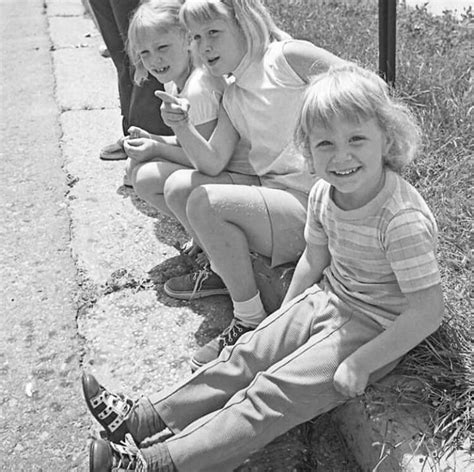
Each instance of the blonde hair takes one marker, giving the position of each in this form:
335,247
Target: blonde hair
351,93
250,16
152,14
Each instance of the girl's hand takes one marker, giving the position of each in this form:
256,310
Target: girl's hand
140,149
174,110
136,132
350,381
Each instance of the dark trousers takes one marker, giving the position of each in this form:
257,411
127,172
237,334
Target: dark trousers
138,104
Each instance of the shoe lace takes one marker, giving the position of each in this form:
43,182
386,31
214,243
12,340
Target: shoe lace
199,277
129,457
232,333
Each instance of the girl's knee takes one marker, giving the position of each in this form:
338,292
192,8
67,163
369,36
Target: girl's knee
177,188
146,181
200,206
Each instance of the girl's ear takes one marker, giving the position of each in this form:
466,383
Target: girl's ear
387,144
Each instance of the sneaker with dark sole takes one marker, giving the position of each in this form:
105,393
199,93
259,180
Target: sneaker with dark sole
105,456
109,409
212,349
200,284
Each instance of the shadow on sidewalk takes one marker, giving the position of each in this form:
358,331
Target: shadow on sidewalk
167,230
216,311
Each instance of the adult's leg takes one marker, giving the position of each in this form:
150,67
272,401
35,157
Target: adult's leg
144,110
112,19
143,107
138,104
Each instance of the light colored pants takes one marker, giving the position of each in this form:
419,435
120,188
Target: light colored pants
272,379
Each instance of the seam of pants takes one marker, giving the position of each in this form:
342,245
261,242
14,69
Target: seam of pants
255,379
249,335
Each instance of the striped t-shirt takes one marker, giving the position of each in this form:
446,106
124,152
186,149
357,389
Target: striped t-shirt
379,251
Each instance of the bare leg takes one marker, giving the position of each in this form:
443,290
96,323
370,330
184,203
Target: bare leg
230,221
149,181
179,186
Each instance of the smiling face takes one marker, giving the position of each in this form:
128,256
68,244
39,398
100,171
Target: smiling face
349,155
165,54
220,43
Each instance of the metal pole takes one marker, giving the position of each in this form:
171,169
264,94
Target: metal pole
387,39
383,38
391,40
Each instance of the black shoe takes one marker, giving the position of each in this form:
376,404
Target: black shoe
105,456
109,409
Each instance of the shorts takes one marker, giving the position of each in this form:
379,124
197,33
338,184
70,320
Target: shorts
287,213
243,179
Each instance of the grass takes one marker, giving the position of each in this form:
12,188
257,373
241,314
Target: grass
435,76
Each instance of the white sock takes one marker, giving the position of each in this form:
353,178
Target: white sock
251,312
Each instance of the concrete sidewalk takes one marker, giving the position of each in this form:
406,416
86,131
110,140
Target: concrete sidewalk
119,243
135,337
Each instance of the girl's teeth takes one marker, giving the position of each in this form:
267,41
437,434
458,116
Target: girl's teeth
345,172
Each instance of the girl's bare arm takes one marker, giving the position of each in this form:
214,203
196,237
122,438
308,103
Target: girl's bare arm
422,317
164,147
307,60
308,271
208,156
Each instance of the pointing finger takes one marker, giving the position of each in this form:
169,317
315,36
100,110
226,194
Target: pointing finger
166,97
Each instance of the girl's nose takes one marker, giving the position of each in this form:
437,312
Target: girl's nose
205,45
157,62
342,154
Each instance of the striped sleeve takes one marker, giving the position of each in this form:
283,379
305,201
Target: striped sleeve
314,232
410,244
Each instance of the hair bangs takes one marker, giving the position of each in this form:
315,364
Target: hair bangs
203,11
340,99
153,17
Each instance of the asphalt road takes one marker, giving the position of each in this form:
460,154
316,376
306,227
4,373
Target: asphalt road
40,409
